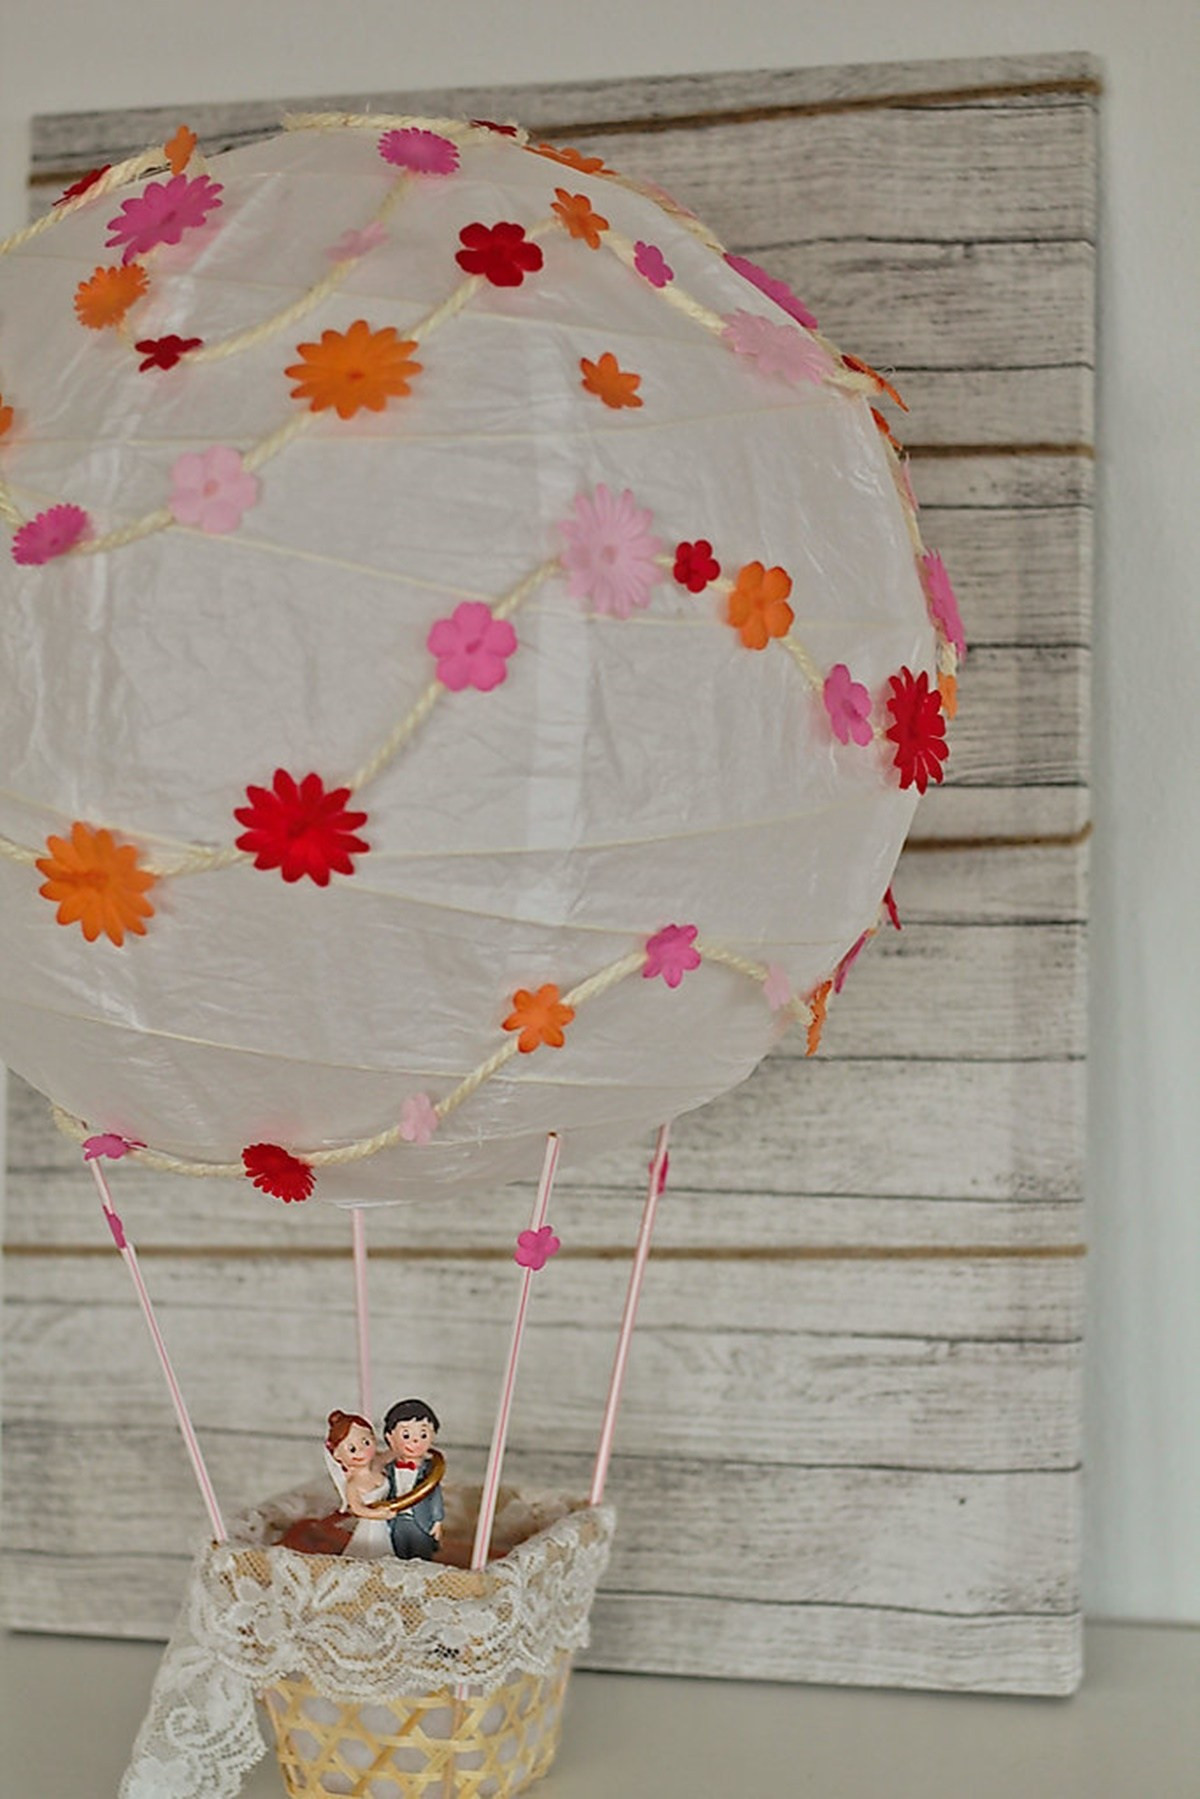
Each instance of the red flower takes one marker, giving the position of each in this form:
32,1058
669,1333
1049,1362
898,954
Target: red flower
82,185
695,565
893,911
301,829
165,352
501,253
273,1170
491,125
918,729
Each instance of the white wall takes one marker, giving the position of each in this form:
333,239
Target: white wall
1144,1392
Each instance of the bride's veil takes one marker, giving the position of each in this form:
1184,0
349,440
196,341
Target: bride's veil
337,1475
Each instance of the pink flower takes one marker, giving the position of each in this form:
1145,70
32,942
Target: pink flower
611,551
671,953
50,534
778,350
534,1248
776,290
848,704
889,901
651,264
110,1144
847,962
418,1118
422,152
357,243
211,489
942,602
472,647
162,212
777,988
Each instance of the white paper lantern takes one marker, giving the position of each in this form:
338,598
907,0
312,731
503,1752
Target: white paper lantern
379,474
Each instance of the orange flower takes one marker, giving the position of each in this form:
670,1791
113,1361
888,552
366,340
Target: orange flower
614,385
758,608
539,1017
948,688
816,1016
97,883
6,417
881,386
352,369
885,430
575,211
573,159
178,149
106,296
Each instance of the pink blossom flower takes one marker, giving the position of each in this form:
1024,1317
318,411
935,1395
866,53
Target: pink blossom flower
472,647
777,988
847,962
162,212
671,953
418,1118
357,243
50,534
110,1144
421,152
942,602
651,264
848,704
611,552
776,290
778,350
534,1248
211,489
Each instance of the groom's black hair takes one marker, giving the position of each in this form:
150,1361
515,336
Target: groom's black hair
409,1411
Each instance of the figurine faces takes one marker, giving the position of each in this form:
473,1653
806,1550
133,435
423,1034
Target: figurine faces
356,1449
411,1439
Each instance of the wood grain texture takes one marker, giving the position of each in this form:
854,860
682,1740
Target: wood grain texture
868,1278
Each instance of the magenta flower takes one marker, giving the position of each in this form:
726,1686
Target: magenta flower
418,1118
421,152
778,350
472,647
848,704
162,212
651,264
50,534
847,962
211,489
942,602
777,988
110,1144
354,243
893,912
671,953
776,290
611,552
534,1248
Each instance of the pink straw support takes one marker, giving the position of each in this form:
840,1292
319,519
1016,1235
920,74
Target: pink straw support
129,1257
358,1233
658,1180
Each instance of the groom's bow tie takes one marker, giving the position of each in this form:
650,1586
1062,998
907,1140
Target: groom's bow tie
400,1464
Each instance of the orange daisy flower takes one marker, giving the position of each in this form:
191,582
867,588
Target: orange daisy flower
178,149
96,883
572,158
606,379
864,368
948,688
6,417
575,211
353,369
539,1017
757,607
885,430
816,1016
105,297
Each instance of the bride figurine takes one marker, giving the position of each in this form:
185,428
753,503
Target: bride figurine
350,1452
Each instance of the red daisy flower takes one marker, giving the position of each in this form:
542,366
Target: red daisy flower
277,1172
164,352
918,729
695,565
501,253
82,184
301,828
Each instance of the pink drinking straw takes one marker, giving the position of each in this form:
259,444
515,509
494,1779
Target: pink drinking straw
658,1165
129,1257
358,1233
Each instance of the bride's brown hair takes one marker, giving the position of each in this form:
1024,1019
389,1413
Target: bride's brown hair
339,1425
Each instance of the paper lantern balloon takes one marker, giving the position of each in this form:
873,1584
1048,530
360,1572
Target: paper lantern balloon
469,659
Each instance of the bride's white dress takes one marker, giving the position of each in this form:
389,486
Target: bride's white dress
372,1537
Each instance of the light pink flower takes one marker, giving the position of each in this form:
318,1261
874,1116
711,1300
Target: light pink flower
848,704
651,264
671,953
534,1248
210,489
776,290
777,988
50,534
418,1118
357,243
942,601
472,647
162,212
611,552
778,350
110,1144
422,152
847,962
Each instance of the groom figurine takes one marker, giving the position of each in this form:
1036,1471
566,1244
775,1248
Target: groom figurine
409,1431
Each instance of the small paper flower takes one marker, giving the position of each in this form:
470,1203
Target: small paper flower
164,352
472,647
611,383
106,296
354,243
778,350
6,418
211,489
889,902
757,608
671,953
575,212
96,883
918,729
82,183
948,688
301,828
50,534
540,1018
422,152
534,1248
651,264
162,212
776,290
848,704
353,369
418,1118
847,962
881,386
571,158
695,565
611,552
178,149
942,601
777,988
109,1144
501,253
885,430
818,1001
500,130
277,1172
